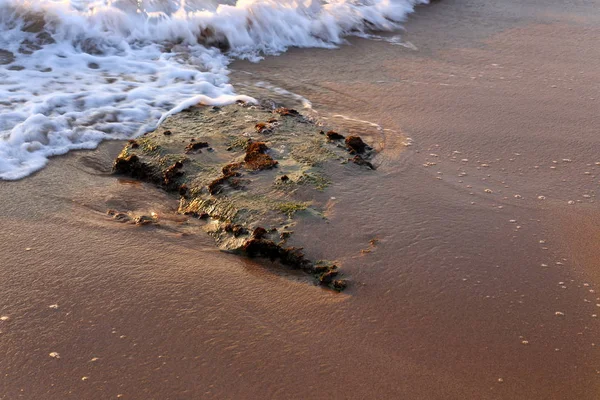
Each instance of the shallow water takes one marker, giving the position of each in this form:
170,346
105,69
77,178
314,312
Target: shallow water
482,281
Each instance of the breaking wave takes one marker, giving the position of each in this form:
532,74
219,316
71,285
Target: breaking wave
74,73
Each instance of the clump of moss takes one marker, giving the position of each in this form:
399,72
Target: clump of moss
318,181
148,146
290,208
170,159
238,143
311,152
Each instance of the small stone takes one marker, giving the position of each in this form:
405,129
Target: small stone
54,354
559,313
53,306
571,202
4,318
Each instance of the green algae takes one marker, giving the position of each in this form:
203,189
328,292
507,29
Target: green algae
290,208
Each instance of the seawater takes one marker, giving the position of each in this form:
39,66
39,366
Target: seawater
75,73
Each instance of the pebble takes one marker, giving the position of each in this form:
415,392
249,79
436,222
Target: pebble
85,378
525,342
541,197
54,354
53,306
571,202
558,313
4,318
500,380
488,190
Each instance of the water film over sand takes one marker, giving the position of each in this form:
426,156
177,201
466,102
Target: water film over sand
471,251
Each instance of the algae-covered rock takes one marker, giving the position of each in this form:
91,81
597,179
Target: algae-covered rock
250,171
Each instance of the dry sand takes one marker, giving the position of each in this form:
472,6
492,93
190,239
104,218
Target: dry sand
477,289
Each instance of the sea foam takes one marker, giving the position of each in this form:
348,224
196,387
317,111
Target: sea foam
74,73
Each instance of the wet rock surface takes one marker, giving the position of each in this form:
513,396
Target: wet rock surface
6,57
250,172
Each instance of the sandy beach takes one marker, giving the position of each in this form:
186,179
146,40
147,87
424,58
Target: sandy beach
484,282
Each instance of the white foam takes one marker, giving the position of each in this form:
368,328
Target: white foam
86,71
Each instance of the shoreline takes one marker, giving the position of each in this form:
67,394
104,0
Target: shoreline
476,288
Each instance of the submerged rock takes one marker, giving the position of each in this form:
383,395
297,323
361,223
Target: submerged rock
355,144
251,187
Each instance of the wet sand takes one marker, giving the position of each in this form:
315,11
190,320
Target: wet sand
483,283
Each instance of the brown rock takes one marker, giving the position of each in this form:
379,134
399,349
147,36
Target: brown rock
361,161
287,112
195,146
259,233
134,167
332,135
355,144
256,157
